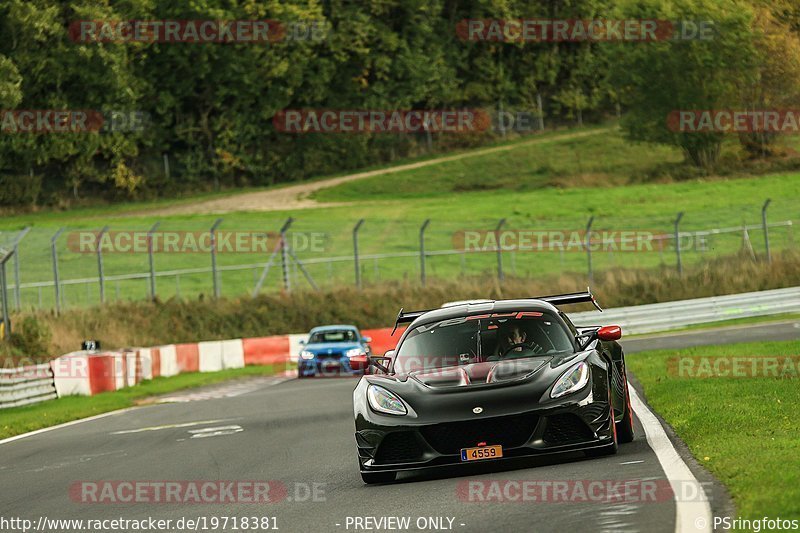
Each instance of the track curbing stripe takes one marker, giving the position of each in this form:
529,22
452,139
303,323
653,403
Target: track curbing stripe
689,515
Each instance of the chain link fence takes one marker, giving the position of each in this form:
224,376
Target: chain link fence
190,257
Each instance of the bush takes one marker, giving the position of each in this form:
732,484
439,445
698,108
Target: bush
31,337
20,190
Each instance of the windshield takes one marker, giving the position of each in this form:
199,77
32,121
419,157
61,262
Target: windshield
480,338
333,335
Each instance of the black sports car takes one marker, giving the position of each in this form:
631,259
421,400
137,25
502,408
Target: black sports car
490,380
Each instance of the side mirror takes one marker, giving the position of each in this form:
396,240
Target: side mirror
359,362
302,342
382,363
366,340
609,333
389,354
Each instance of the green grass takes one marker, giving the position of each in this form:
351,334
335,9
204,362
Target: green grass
744,430
601,158
17,420
533,186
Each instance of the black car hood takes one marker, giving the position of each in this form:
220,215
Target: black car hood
474,374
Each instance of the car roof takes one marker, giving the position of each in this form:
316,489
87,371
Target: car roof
333,327
459,309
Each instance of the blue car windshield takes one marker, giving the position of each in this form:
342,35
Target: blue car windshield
333,335
482,338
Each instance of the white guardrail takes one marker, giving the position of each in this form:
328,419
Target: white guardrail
682,313
31,384
26,385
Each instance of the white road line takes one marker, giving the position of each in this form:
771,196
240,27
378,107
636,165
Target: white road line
172,426
88,419
631,462
67,424
692,514
215,431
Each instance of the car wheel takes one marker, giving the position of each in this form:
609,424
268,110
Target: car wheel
625,426
609,449
371,478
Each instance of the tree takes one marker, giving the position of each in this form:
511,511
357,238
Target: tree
775,84
656,79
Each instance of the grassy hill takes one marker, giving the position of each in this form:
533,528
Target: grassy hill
536,184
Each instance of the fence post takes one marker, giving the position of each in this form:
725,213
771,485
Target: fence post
541,111
422,250
4,289
213,232
17,293
100,273
287,285
56,282
355,252
151,260
268,264
678,243
588,240
500,225
766,228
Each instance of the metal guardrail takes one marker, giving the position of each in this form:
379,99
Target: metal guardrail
682,313
32,384
26,385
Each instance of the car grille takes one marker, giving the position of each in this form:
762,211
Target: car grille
508,431
335,356
399,447
566,429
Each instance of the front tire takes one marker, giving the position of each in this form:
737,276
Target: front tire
625,426
610,449
371,478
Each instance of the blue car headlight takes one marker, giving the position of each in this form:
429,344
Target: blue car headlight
386,402
305,354
572,380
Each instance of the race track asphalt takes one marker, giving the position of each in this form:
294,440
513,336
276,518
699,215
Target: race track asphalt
299,435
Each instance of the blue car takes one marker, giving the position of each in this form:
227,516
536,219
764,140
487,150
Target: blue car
329,349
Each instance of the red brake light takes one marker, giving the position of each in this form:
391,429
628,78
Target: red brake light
359,362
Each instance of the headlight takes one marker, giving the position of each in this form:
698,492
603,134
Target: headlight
305,354
572,380
353,352
385,402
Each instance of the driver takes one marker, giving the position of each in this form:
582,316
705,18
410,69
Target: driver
510,345
515,336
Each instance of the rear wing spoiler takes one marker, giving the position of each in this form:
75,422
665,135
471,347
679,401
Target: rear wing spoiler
555,299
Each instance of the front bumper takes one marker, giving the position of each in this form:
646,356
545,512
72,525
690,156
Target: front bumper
568,426
326,367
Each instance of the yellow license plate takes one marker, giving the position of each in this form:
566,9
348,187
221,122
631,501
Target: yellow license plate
484,452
